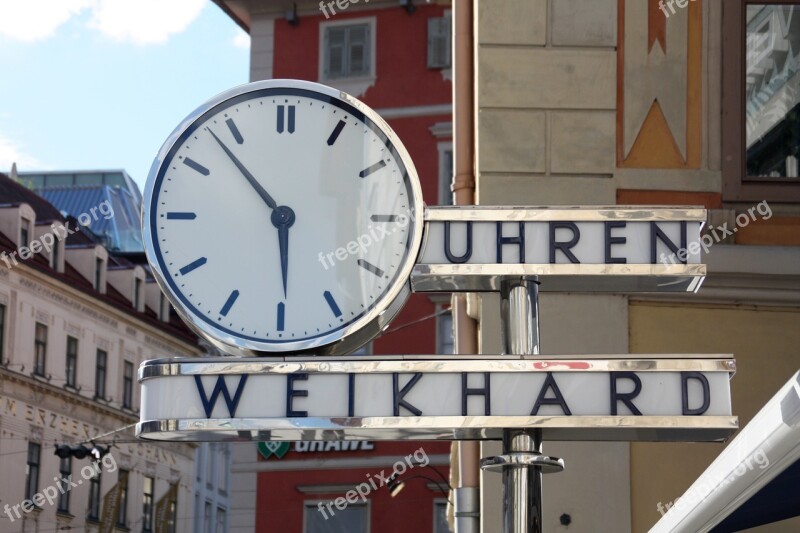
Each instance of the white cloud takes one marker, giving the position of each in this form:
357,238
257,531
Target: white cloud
10,153
34,20
242,40
144,21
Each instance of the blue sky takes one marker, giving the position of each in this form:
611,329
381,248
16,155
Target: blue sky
99,84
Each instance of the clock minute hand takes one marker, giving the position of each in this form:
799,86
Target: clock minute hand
250,178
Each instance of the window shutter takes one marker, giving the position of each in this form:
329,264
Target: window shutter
335,52
439,42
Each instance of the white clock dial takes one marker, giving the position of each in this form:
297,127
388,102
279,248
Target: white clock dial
283,216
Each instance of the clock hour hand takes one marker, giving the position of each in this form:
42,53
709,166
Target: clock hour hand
283,219
250,178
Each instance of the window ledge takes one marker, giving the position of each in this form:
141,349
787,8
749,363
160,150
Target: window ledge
40,377
354,86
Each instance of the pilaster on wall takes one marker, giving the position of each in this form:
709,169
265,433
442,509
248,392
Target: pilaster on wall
244,484
262,48
546,99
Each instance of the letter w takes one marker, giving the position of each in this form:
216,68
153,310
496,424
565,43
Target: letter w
220,387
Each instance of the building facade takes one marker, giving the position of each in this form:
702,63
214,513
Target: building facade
396,59
75,324
635,102
76,194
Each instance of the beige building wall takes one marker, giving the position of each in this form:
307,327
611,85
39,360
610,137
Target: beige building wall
764,342
46,411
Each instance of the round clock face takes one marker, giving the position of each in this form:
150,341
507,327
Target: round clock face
284,216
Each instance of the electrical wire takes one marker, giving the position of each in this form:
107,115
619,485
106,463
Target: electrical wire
417,321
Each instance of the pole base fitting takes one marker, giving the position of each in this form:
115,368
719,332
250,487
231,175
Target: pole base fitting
547,465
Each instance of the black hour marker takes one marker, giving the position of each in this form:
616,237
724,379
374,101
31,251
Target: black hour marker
336,131
281,315
229,303
369,267
383,218
374,168
191,266
282,118
181,216
234,131
194,165
332,304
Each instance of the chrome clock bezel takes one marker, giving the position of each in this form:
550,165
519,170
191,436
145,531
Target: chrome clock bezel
343,340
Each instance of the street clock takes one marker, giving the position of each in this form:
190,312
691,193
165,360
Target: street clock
284,216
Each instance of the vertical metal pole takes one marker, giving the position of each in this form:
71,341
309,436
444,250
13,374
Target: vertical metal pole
521,316
522,487
522,463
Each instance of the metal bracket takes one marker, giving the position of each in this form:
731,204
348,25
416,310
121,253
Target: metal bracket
547,464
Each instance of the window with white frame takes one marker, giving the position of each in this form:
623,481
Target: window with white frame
65,473
353,519
93,510
72,362
138,294
440,523
444,333
147,505
99,267
54,256
348,49
122,503
222,466
127,384
211,461
40,349
209,526
25,230
222,520
32,470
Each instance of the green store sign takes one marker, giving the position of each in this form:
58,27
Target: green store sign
278,449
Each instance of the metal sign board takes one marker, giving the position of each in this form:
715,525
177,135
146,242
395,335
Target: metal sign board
658,398
576,249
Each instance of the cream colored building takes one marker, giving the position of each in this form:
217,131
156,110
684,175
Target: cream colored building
618,102
76,324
